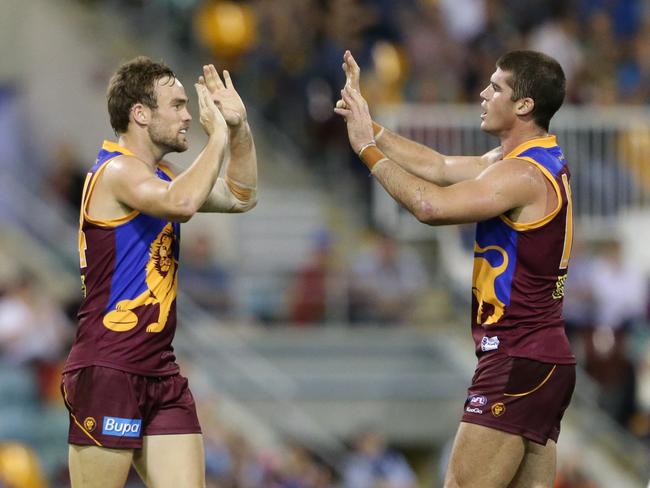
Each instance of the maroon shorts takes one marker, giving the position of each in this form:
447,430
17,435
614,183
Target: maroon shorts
520,396
111,408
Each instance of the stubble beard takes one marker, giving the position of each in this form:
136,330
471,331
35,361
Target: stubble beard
166,140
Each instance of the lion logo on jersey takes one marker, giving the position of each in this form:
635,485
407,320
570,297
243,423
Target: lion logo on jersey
161,287
484,278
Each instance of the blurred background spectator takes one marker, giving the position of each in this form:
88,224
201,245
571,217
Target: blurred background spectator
386,281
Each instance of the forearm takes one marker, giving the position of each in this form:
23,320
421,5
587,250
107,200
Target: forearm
241,169
415,158
195,183
237,191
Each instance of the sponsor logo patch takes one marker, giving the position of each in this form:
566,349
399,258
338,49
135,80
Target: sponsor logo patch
498,409
474,410
489,343
478,401
120,427
90,424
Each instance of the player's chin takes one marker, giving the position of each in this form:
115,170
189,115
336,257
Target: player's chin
485,127
182,144
179,145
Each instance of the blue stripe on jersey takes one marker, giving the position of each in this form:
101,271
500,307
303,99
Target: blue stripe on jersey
133,241
102,156
132,249
551,158
495,238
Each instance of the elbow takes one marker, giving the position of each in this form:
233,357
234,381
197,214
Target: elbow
426,213
182,217
184,212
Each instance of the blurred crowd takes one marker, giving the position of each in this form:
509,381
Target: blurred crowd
424,51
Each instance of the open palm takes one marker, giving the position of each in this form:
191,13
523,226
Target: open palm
224,95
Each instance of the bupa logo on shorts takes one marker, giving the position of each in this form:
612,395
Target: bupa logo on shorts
121,427
489,343
478,401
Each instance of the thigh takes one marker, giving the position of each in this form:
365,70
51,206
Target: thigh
537,469
483,457
170,461
98,467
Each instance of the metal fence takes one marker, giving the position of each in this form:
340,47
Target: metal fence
607,148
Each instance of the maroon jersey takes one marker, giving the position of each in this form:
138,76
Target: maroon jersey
128,272
520,270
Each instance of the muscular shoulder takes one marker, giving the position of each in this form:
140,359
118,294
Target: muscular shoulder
125,169
517,176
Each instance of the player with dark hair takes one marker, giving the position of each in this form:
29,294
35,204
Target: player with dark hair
519,194
128,402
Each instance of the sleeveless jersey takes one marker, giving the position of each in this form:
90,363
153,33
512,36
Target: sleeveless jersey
127,318
520,270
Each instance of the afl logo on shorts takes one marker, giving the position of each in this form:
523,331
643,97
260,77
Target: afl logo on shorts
90,424
498,409
478,401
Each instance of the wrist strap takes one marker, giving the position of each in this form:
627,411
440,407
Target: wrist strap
371,156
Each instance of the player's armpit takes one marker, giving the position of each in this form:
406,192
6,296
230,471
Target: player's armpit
228,196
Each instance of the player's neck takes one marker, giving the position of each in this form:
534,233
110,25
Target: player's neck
514,138
143,149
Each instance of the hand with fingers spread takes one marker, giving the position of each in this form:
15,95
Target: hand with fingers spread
224,95
357,118
210,116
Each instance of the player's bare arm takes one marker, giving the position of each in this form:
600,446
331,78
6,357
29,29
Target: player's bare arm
509,185
236,191
134,185
417,159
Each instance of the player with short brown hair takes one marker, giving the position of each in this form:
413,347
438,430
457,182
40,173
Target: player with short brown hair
127,400
519,195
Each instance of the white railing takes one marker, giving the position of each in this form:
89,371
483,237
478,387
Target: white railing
607,148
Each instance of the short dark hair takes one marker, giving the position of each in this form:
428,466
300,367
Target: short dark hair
133,82
538,76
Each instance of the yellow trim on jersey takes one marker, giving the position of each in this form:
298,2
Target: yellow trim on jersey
546,142
113,147
568,231
167,170
521,226
65,399
534,389
101,222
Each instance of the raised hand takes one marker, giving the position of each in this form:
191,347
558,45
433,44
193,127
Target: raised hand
352,71
357,117
210,116
224,95
352,75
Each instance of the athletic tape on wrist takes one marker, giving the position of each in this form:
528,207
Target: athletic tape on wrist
378,130
370,155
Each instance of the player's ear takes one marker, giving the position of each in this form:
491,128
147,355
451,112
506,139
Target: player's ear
525,106
140,113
